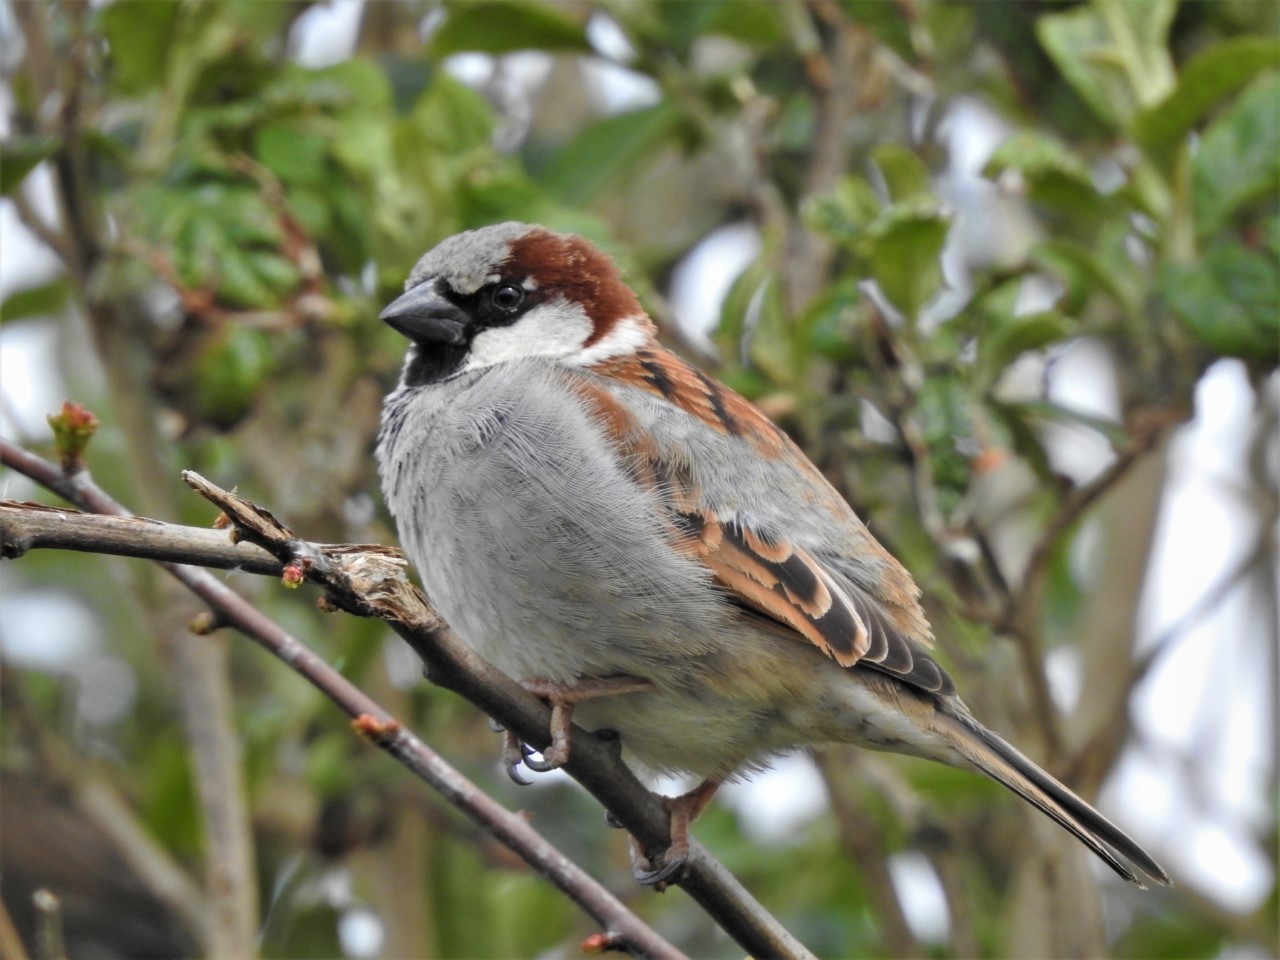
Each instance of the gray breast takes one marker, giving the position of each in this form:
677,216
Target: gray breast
528,535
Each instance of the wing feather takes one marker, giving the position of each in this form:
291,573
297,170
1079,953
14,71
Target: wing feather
765,573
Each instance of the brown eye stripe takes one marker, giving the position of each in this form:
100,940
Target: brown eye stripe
570,267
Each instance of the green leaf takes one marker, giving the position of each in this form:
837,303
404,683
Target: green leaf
41,300
1230,300
19,156
943,412
451,117
292,151
1239,158
606,150
501,26
902,248
904,172
844,213
888,21
1208,78
1007,341
1113,53
1055,176
754,326
1004,335
139,39
756,22
221,237
231,371
1085,272
769,333
829,321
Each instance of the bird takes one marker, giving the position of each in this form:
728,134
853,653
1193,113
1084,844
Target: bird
644,549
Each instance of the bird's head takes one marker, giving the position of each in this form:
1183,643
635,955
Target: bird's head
510,291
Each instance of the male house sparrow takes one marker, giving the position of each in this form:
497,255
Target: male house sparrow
641,546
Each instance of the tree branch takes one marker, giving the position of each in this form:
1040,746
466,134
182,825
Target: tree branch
28,526
374,584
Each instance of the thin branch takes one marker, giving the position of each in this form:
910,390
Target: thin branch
372,583
50,941
60,529
45,232
1021,619
36,526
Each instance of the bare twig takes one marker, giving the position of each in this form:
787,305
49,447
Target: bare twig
51,527
45,232
39,526
375,584
1022,616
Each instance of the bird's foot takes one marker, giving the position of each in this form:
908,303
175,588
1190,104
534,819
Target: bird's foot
563,697
659,872
668,867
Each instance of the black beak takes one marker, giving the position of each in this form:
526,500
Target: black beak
425,316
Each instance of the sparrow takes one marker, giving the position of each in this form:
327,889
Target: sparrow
646,550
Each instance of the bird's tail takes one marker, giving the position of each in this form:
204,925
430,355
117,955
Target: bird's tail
1002,762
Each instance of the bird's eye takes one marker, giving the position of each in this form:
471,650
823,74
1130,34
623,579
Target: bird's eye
508,298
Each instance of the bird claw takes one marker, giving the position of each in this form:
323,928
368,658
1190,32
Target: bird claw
549,759
513,754
668,869
670,866
562,698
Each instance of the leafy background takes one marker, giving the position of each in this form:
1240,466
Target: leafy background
1008,270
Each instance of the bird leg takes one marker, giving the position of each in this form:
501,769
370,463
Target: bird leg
563,697
684,810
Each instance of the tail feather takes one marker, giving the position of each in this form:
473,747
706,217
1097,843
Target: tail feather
1002,762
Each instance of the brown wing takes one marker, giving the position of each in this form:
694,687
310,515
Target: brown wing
789,585
767,575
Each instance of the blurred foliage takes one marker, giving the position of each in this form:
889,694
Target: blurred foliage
231,220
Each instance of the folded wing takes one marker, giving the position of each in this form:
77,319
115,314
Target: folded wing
761,571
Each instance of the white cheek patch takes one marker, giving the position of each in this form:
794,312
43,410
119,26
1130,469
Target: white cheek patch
554,329
627,336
